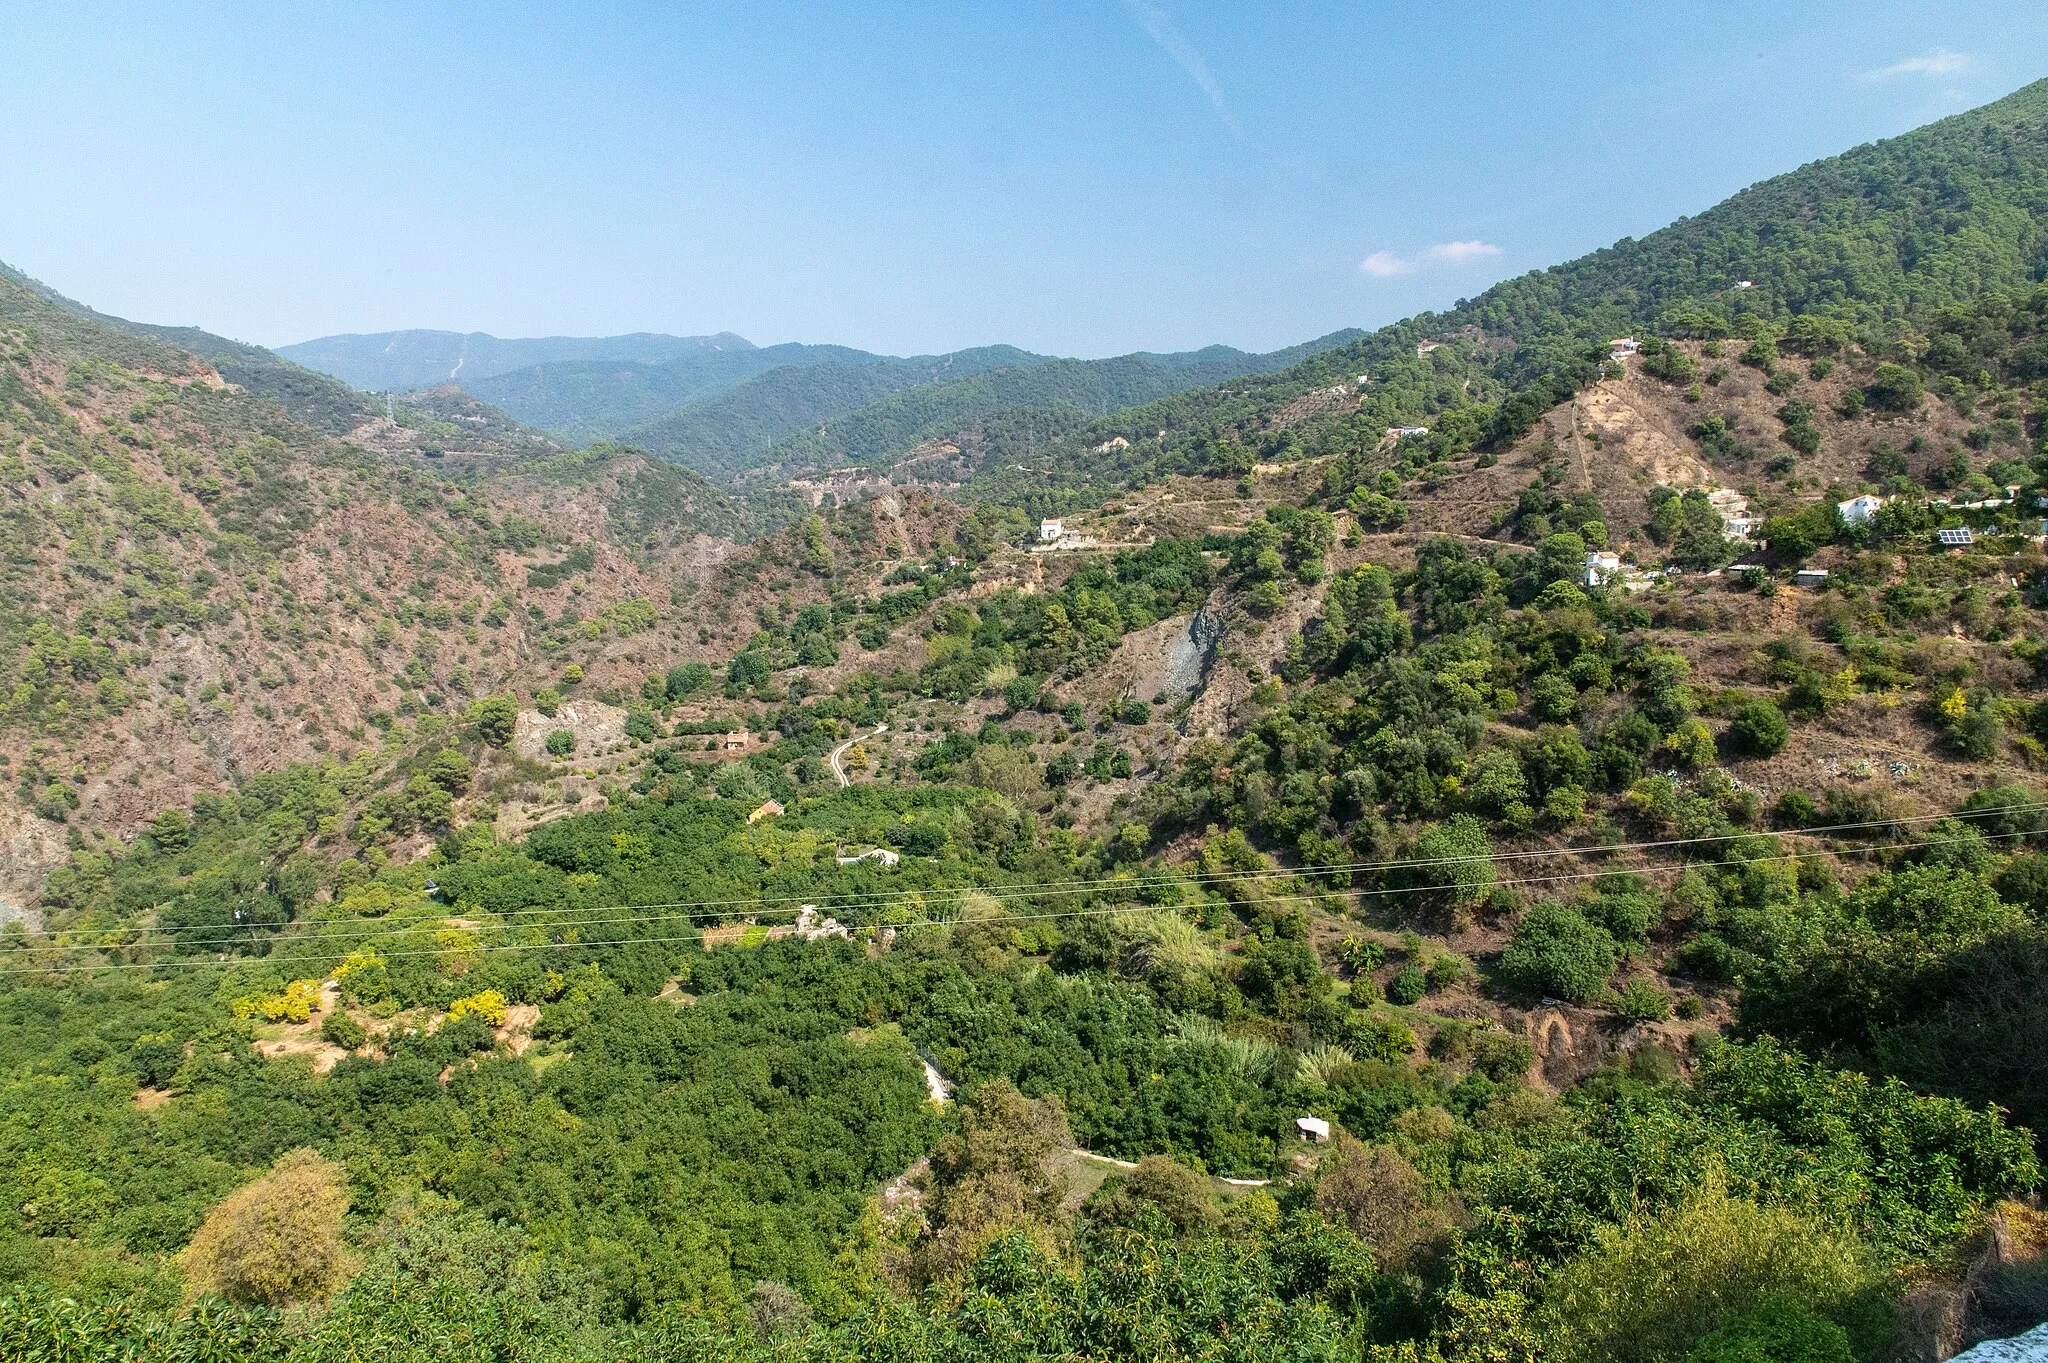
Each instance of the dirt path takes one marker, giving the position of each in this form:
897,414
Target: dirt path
840,751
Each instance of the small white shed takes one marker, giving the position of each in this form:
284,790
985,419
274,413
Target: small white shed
1312,1129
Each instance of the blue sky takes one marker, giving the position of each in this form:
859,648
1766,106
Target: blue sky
1081,178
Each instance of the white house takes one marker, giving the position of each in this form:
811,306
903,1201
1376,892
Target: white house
1601,567
1623,345
1050,530
1426,347
1745,283
1403,432
1312,1129
1810,577
881,854
1859,510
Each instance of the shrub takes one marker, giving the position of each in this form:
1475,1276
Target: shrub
1779,1331
344,1031
1444,971
775,1309
1553,697
156,1058
278,1240
561,743
1136,712
640,726
489,1005
1380,1195
1502,1056
1642,1001
547,700
1161,1185
1796,809
1759,729
1556,951
1407,987
1020,693
1894,388
1664,1286
1362,954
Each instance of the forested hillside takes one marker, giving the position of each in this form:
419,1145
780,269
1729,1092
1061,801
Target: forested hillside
733,430
1894,231
1564,881
583,400
1061,395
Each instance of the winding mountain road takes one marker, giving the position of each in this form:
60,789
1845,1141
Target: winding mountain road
840,752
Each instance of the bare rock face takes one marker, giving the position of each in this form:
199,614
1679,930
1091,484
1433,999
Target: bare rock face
30,848
596,726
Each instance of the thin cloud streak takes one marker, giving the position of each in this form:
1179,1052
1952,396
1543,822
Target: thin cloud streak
1458,252
1161,30
1386,265
1938,62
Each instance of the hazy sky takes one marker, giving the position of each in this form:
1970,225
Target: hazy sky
1084,178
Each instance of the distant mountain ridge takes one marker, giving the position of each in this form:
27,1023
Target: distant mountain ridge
721,405
1063,393
600,400
398,361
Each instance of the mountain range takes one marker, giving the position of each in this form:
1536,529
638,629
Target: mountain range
721,405
1516,835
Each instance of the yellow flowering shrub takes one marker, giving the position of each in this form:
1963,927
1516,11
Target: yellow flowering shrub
488,1005
295,1004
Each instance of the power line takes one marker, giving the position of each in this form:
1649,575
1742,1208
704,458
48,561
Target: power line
569,917
1113,911
562,918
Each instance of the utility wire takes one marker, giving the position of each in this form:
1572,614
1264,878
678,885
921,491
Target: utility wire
567,918
1111,911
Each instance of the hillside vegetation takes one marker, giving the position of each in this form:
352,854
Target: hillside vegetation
911,938
200,586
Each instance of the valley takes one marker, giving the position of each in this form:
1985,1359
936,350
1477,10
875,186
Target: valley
1516,835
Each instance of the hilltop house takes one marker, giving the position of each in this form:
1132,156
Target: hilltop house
1601,567
1050,530
1621,346
1426,347
768,810
734,741
1859,510
881,854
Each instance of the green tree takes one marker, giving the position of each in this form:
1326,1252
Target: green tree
495,718
1556,951
1758,729
1894,388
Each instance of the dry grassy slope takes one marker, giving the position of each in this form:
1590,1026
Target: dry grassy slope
229,571
1622,437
